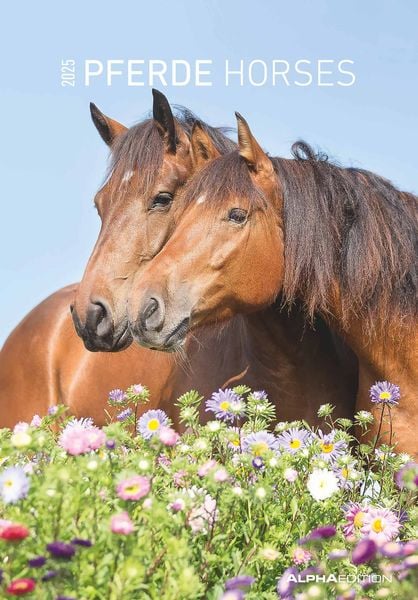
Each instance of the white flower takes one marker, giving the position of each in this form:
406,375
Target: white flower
144,464
20,439
261,493
322,484
213,426
237,490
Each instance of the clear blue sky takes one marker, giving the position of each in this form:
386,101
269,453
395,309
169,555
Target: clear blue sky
52,159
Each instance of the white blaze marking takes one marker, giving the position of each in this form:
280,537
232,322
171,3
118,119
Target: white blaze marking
201,199
127,176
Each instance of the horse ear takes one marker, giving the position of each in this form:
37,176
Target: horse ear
108,128
250,150
203,148
163,116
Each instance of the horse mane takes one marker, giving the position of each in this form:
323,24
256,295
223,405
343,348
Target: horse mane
350,227
344,228
142,147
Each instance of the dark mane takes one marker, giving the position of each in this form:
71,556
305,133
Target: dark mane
342,226
142,147
351,227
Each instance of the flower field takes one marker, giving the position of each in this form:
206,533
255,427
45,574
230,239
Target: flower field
236,507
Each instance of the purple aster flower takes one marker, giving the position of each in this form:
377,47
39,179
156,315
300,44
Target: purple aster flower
110,444
259,443
49,575
117,395
287,582
407,476
125,414
61,550
383,392
257,462
151,422
338,554
226,405
330,449
65,598
320,533
82,542
392,550
37,561
238,582
259,395
14,485
83,423
52,410
364,552
293,439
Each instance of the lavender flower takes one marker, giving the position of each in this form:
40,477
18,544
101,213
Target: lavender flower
151,422
287,583
383,392
259,443
125,414
293,439
14,485
238,582
117,395
331,449
226,405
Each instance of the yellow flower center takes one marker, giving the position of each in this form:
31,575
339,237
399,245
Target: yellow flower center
235,441
384,395
358,519
132,489
327,448
377,525
20,585
295,444
153,424
259,448
224,405
8,483
344,472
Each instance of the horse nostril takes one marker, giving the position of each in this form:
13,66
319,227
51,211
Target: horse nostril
152,314
99,319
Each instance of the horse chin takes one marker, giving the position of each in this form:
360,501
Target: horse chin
171,341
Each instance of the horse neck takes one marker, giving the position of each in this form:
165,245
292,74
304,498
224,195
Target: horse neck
300,366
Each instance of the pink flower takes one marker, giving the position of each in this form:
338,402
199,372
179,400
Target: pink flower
36,421
177,505
290,474
80,436
202,517
121,523
168,436
206,467
21,427
221,475
300,556
74,441
133,488
96,437
355,515
380,525
179,478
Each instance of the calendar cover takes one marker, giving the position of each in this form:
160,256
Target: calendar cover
209,363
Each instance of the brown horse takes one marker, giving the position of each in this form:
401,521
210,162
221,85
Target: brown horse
43,361
343,241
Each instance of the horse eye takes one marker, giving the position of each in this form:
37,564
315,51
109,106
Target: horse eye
238,215
161,200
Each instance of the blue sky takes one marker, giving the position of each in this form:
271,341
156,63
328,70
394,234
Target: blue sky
52,159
